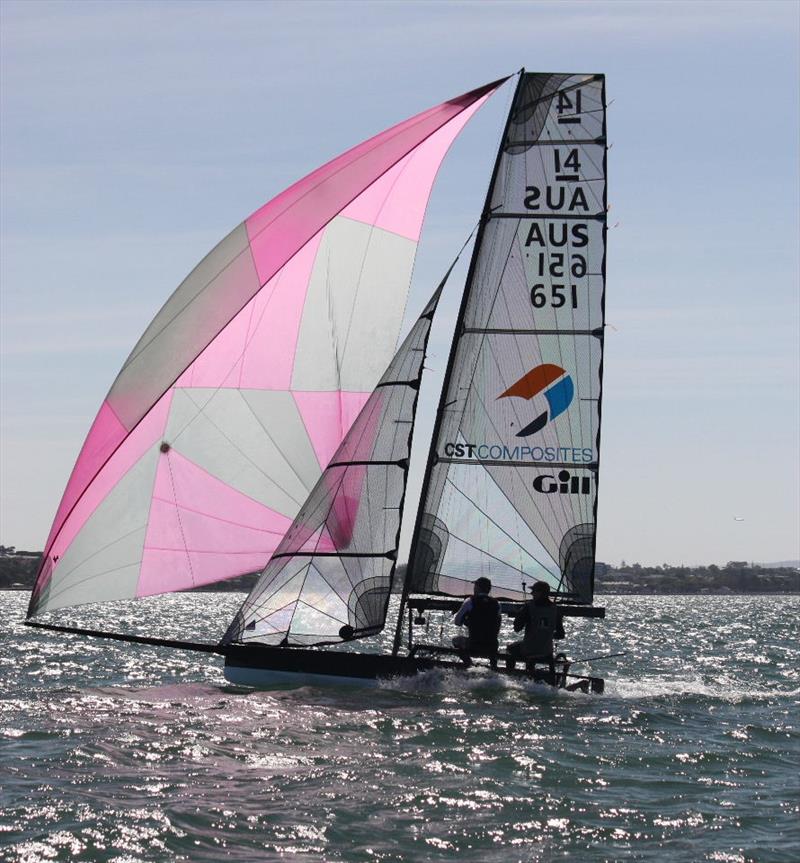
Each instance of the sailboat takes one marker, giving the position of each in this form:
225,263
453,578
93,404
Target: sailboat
264,421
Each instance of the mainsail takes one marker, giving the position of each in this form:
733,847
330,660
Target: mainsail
510,489
243,386
331,576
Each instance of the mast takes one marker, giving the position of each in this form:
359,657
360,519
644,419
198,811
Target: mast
450,360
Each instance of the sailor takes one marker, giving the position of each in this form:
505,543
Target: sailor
481,614
541,619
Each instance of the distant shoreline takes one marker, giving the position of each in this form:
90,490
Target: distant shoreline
736,578
597,597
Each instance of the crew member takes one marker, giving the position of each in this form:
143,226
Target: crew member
481,614
541,619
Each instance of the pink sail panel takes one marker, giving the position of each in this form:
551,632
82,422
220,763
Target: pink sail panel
260,362
268,359
397,201
138,443
105,435
328,417
196,520
292,217
251,352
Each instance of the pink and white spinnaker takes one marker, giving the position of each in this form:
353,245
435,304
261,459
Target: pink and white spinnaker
241,389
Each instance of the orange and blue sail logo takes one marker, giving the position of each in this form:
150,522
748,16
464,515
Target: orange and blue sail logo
558,390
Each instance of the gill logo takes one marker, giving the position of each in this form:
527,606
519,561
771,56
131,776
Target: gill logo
558,390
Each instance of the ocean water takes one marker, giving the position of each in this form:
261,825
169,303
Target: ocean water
120,752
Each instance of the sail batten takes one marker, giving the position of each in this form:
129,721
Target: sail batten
241,389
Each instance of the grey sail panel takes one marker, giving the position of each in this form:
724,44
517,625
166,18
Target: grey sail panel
331,576
511,484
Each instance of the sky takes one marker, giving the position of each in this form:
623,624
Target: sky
134,135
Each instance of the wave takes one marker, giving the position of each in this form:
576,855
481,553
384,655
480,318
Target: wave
730,690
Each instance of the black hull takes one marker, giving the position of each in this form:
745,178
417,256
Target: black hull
261,665
360,666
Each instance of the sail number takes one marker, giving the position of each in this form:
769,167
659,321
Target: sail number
569,107
553,264
567,170
542,238
557,296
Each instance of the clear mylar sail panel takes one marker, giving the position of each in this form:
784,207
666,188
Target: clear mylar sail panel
245,383
513,473
331,576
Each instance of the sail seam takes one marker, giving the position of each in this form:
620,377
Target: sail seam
534,215
500,463
509,332
315,553
392,463
555,142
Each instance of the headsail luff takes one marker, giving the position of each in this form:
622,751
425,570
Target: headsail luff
335,566
510,489
246,381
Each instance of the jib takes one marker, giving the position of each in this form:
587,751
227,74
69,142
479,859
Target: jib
555,198
565,484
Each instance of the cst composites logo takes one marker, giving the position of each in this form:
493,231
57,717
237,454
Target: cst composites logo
556,387
558,390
